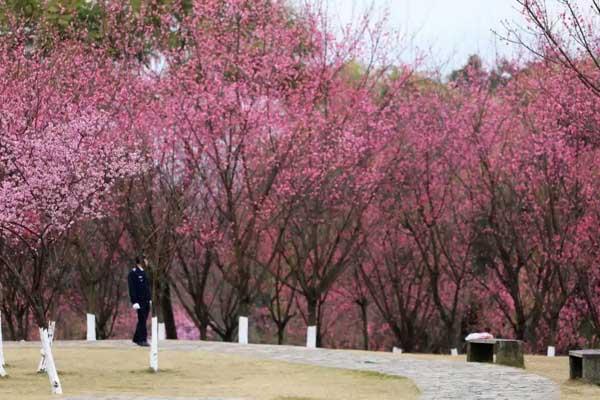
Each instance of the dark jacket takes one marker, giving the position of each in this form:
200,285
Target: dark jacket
139,288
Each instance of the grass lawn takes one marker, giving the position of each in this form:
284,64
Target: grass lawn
191,374
554,368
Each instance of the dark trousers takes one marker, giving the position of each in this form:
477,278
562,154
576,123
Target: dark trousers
141,332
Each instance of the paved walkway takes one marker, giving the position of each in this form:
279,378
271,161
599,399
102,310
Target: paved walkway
439,380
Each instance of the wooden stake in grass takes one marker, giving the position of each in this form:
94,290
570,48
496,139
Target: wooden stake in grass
48,360
44,359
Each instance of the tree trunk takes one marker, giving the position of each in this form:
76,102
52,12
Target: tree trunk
101,333
23,332
552,330
453,335
280,333
229,335
203,331
12,330
313,316
244,307
363,304
39,315
405,342
167,312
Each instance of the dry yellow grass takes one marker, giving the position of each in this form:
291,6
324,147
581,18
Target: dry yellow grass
192,374
557,369
554,368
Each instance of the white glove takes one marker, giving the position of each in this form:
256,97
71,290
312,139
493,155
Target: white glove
136,306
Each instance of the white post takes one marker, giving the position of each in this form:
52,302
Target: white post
551,351
154,345
1,345
2,371
50,336
311,337
91,327
50,367
454,352
243,330
162,331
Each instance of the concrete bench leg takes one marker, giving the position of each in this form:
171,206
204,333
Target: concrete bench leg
575,367
591,370
480,352
510,353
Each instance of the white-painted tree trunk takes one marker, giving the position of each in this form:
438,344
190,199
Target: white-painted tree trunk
91,327
551,351
454,352
154,345
2,370
243,330
311,337
162,331
1,344
50,336
50,366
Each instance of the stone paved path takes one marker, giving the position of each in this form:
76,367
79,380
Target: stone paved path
437,380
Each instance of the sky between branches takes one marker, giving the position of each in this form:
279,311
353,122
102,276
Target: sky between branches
447,31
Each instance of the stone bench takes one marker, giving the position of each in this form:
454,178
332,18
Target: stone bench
585,365
508,352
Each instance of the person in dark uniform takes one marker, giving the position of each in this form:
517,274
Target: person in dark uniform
140,296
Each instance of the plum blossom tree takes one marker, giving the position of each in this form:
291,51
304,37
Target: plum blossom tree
565,33
341,125
397,283
225,103
64,119
530,198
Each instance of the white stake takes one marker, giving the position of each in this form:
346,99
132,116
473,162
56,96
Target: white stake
154,345
243,330
91,327
50,367
311,337
162,331
50,335
2,371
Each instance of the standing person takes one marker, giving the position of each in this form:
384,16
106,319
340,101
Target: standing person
140,296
